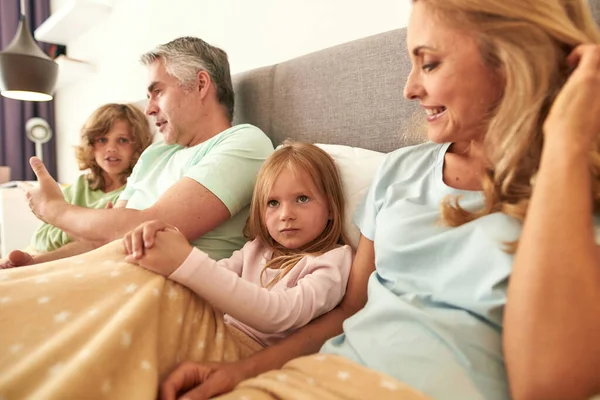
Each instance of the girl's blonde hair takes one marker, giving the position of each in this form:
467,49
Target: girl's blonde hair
325,176
527,42
98,125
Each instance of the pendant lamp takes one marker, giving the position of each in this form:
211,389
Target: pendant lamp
26,72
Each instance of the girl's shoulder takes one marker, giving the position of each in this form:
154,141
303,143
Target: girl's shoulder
254,245
340,254
255,248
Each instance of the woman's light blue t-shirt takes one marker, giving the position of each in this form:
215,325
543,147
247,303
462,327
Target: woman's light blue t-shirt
434,313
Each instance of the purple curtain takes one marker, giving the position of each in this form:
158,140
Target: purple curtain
15,148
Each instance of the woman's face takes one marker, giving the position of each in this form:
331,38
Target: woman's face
449,78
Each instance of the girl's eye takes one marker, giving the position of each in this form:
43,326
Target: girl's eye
101,140
272,203
123,140
430,66
302,199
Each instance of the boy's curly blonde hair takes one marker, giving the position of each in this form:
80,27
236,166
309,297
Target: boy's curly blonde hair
98,125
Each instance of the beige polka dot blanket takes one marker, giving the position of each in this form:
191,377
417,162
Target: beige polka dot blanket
95,327
323,377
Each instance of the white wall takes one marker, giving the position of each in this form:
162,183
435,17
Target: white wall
253,32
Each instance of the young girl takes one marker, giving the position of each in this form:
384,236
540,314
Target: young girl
295,266
111,141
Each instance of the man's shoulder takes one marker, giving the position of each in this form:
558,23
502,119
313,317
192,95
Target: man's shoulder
242,138
157,147
244,133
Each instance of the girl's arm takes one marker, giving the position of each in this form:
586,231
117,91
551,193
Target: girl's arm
213,379
161,248
552,318
319,291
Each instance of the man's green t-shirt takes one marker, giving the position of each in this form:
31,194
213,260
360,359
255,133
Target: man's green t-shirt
225,164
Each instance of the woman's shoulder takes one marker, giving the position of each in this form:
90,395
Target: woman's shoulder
407,156
411,162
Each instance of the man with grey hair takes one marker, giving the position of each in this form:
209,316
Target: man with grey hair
199,178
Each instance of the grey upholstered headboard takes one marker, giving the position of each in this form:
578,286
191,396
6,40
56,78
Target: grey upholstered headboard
348,94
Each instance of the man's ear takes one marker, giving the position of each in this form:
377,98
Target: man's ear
203,82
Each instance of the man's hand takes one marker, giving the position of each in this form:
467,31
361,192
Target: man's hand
192,381
46,198
156,246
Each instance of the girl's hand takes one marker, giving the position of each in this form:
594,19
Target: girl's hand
156,246
196,381
142,237
575,115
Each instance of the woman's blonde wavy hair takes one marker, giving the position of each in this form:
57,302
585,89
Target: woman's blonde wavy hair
321,168
528,42
98,125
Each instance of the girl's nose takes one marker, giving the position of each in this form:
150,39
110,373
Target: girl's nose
287,213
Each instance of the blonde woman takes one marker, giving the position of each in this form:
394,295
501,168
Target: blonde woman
111,142
507,188
295,266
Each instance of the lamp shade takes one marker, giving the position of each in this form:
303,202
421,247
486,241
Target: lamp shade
26,72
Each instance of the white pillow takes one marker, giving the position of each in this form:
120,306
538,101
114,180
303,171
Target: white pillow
357,168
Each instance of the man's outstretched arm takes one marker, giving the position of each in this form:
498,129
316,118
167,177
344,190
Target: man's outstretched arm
188,205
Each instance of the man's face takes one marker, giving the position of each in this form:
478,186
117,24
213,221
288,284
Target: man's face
174,107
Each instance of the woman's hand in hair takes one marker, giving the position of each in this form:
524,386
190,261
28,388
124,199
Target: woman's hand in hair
574,118
156,246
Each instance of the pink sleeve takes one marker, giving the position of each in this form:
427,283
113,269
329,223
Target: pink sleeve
278,309
198,259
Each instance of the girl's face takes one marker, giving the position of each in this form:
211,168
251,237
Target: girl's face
455,87
297,213
113,151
